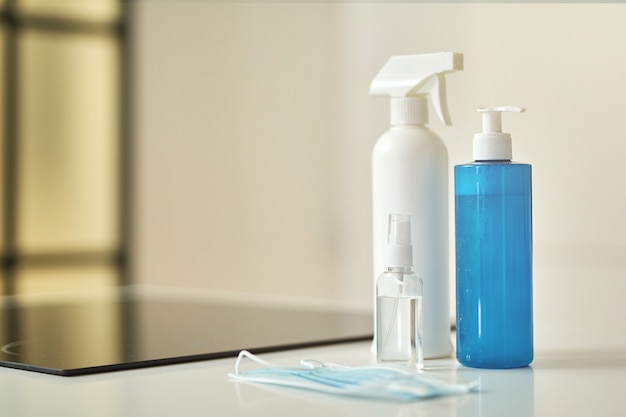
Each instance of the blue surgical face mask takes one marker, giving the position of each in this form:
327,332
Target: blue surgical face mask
381,381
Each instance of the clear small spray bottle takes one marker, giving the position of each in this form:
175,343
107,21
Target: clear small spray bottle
399,300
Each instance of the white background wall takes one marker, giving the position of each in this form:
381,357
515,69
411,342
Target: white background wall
255,128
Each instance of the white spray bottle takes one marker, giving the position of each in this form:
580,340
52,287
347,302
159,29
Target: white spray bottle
410,175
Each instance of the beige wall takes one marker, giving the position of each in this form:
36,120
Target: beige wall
255,130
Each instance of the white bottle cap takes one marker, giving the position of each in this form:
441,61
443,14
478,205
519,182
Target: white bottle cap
492,144
399,248
409,111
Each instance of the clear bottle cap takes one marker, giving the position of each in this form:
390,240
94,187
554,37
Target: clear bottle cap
399,245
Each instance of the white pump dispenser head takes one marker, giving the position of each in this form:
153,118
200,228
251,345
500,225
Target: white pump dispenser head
492,144
408,79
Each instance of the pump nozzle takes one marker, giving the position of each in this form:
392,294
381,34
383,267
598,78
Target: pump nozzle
418,75
492,117
492,144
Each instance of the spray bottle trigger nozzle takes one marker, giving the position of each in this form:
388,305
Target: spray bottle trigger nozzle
418,75
435,86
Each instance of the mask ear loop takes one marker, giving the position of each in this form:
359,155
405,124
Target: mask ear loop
245,354
311,363
308,363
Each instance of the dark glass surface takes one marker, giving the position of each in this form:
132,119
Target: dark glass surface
130,329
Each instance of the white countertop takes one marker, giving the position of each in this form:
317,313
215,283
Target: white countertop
557,384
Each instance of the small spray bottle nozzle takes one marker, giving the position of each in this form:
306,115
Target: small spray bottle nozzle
399,229
492,144
399,246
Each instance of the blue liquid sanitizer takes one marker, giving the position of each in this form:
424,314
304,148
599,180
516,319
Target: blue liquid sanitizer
493,219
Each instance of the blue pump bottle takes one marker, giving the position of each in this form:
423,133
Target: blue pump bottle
493,219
